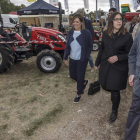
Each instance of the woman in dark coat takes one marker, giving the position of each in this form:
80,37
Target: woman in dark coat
113,60
78,47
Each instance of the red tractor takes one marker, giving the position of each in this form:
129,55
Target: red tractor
96,43
48,45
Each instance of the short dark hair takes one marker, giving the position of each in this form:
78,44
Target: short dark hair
113,9
134,16
110,27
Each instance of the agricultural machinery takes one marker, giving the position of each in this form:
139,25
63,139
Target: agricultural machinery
47,44
96,43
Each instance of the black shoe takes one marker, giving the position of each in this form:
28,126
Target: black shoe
77,98
85,83
113,116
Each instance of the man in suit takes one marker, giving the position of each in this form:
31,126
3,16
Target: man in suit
134,80
88,25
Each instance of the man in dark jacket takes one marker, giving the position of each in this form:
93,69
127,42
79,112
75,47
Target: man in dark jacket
88,25
111,11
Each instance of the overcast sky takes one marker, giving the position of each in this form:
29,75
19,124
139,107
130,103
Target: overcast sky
75,4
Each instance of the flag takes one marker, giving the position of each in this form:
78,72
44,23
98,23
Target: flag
31,0
66,4
136,4
86,4
53,2
115,4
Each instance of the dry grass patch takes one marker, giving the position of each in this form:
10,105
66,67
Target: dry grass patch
46,118
30,99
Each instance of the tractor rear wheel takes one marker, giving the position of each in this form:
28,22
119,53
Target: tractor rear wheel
6,58
48,61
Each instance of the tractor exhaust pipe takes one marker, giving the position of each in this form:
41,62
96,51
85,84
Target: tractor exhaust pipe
1,24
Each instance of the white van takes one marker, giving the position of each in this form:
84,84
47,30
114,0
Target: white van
9,20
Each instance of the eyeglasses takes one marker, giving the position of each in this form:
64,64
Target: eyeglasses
117,19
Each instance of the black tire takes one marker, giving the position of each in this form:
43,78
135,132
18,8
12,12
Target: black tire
6,58
96,46
48,61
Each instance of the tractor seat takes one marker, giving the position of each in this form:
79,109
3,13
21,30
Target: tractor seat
11,34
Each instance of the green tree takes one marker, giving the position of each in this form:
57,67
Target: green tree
7,6
22,6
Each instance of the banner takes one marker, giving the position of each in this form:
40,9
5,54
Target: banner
66,4
86,4
115,4
136,4
53,2
31,0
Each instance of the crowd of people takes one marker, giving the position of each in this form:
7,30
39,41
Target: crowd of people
119,54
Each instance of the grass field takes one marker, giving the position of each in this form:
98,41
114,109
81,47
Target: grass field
39,106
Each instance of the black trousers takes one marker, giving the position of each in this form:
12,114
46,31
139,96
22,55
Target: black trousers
133,119
115,98
77,70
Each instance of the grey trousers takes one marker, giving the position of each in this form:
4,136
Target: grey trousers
133,119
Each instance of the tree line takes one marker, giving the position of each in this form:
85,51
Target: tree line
6,7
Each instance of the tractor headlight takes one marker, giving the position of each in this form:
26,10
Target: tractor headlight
61,37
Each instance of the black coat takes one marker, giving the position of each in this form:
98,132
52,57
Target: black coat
114,76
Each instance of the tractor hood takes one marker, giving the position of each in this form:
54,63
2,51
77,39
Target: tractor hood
46,30
43,34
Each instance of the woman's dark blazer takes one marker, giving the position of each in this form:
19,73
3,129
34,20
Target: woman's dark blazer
85,41
114,76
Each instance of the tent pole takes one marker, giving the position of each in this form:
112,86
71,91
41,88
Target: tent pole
43,21
40,19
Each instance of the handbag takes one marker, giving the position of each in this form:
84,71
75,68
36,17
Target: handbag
95,86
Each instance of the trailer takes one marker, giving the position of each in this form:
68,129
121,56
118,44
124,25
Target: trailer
129,15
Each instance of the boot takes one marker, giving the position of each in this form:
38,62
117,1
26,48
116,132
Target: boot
113,115
115,98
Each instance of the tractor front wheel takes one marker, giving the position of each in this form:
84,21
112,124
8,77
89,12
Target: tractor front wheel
48,61
6,58
95,46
